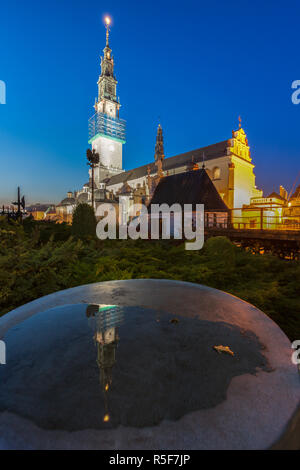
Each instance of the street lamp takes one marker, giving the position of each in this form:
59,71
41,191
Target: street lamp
93,160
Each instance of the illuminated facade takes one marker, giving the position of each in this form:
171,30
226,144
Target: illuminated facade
228,163
291,213
262,213
64,209
277,211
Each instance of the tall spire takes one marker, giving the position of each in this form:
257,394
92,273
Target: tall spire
159,146
105,124
107,21
107,62
107,102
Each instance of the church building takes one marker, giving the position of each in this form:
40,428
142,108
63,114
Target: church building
228,163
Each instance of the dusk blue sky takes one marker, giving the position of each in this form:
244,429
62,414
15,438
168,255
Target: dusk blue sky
195,65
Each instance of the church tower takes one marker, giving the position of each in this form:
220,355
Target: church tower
106,130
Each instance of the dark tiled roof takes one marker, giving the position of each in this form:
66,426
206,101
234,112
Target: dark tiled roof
67,201
191,187
83,197
210,152
274,194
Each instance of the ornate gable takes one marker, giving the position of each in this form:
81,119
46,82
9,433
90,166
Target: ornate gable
239,145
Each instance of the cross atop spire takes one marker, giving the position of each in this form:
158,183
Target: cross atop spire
240,122
107,21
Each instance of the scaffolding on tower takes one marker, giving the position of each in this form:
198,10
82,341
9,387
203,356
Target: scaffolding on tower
106,126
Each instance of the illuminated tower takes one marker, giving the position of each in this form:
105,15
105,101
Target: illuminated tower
106,130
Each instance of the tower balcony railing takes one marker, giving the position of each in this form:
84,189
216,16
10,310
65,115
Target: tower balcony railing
107,126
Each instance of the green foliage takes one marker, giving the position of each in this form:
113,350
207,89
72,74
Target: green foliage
84,221
47,229
42,258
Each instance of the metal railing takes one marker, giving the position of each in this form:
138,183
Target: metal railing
263,220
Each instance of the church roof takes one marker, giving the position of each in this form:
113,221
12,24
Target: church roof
191,187
67,201
83,197
211,151
276,195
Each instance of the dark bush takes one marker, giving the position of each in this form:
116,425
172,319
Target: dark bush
84,221
44,258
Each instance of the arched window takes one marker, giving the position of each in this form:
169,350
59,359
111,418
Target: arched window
216,173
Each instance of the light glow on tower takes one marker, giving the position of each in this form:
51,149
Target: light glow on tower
107,20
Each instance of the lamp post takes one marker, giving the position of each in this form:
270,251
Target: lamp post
93,160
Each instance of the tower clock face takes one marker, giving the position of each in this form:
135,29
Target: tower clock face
111,148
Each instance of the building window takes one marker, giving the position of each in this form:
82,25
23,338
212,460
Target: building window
216,173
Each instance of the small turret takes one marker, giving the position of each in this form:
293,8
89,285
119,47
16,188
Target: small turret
159,146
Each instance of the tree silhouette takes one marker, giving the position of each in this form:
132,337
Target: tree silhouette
84,221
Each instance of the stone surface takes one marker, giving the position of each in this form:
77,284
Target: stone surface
160,367
248,401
